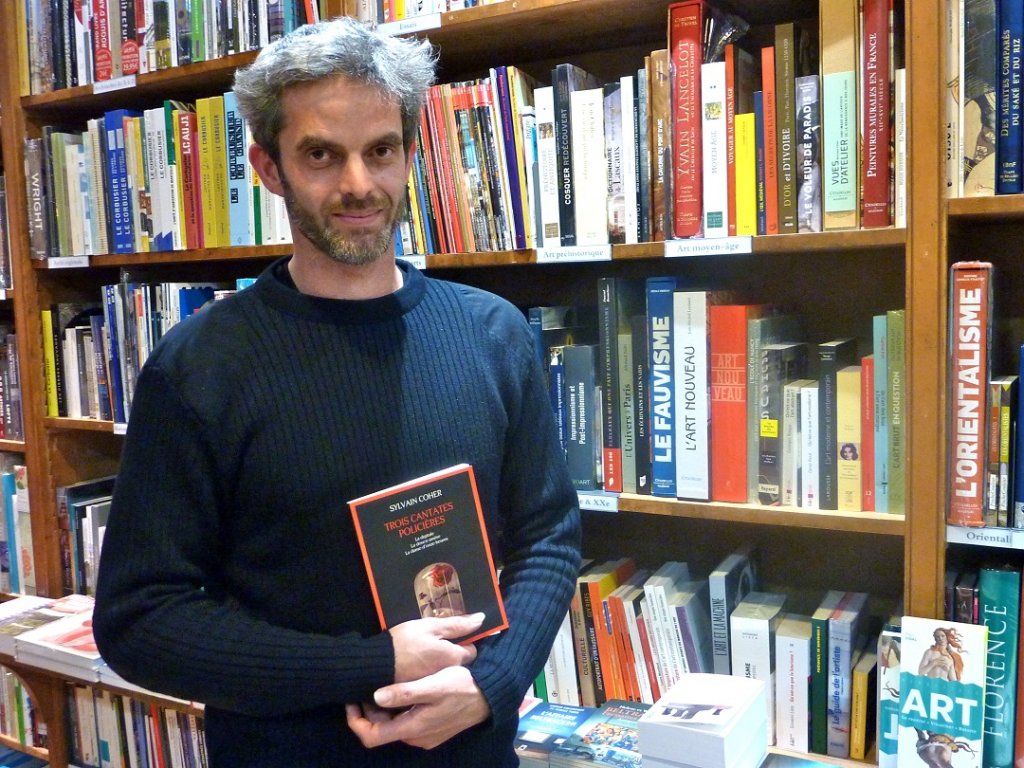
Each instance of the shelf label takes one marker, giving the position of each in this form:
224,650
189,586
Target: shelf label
114,84
570,253
67,262
712,246
598,501
415,24
417,260
120,428
985,537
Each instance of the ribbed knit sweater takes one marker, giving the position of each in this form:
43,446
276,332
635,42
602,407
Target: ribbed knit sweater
230,572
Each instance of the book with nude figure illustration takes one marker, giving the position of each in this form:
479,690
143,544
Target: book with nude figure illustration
942,693
65,646
424,543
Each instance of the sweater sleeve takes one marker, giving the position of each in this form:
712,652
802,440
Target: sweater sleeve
160,619
540,544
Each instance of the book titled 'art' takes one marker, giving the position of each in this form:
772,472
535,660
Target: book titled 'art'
425,547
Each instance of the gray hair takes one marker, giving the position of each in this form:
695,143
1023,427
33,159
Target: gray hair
402,69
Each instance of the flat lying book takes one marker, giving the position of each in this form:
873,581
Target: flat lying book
426,551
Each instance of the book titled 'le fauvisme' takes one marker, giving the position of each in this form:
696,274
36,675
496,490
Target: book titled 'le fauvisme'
425,547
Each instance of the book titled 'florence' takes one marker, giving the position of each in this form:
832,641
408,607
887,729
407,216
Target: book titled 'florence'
425,547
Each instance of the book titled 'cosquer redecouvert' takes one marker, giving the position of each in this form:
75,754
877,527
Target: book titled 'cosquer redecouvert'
426,551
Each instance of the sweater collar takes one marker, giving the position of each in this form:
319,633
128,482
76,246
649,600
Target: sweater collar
276,287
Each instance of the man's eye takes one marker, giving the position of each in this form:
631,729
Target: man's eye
318,155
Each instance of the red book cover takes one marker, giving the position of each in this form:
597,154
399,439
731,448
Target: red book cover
685,36
433,182
425,546
728,370
188,140
867,433
970,315
876,113
103,59
443,165
771,169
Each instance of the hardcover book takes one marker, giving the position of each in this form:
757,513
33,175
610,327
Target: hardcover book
888,690
793,682
426,551
970,316
942,692
731,580
754,624
999,610
608,737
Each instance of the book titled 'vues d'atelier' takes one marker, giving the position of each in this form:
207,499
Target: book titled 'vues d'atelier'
425,547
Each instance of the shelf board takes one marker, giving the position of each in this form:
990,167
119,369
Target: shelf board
1001,207
17,446
63,423
13,743
874,523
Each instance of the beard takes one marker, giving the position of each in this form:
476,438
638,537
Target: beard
353,249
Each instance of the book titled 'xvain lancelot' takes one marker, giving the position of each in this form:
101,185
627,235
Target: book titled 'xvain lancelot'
425,547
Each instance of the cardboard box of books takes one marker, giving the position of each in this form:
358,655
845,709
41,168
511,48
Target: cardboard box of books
708,721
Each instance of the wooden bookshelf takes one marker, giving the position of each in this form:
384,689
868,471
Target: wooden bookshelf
839,277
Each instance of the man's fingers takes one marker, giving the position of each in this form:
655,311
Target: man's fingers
459,626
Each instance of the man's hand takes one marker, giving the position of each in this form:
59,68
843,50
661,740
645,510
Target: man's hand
437,708
424,646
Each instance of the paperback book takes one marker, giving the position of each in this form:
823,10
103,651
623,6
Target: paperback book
426,551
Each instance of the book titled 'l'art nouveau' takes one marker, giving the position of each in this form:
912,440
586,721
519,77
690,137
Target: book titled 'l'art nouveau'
425,547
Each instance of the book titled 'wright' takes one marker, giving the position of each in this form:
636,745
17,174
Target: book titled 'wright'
425,547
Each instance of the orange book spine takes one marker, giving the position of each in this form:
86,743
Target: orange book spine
867,433
187,140
685,35
970,307
440,136
628,681
771,169
607,658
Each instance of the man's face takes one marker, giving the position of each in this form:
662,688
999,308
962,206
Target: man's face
342,169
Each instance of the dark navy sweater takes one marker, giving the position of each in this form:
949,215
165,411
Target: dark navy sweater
230,572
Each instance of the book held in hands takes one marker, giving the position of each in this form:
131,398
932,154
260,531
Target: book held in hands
426,551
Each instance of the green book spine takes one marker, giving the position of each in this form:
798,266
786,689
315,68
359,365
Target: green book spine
897,410
819,682
999,610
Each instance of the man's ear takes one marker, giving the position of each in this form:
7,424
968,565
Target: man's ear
266,167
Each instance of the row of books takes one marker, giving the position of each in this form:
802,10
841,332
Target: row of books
12,421
70,43
167,178
19,719
93,351
17,560
691,394
984,484
983,102
109,728
632,634
385,11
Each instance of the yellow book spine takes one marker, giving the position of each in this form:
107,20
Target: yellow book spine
49,363
206,172
746,174
219,147
848,445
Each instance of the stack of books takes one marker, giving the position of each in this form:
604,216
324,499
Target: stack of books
707,721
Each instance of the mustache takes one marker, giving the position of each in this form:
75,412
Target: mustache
355,204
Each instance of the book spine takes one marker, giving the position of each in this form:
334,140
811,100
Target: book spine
746,174
581,434
642,404
896,324
970,302
1008,140
714,143
809,474
791,443
685,35
730,136
615,161
238,184
590,167
1007,403
35,194
867,433
1017,510
978,85
760,179
785,100
661,346
839,36
880,347
771,141
660,146
807,155
690,358
627,409
728,330
999,610
792,661
560,80
547,167
849,448
876,204
607,302
888,697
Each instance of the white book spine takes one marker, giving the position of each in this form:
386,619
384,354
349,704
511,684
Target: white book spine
643,679
793,665
544,103
590,171
791,452
714,139
690,361
809,446
900,154
629,168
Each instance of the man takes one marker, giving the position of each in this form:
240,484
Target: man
230,572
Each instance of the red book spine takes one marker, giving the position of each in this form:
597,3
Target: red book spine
867,433
103,60
970,307
730,133
191,208
728,369
876,206
771,168
685,32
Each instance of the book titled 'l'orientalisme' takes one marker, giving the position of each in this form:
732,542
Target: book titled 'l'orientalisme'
425,547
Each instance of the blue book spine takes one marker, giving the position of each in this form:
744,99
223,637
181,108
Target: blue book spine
512,160
762,209
880,334
121,228
1018,455
662,425
238,184
1009,150
113,351
9,488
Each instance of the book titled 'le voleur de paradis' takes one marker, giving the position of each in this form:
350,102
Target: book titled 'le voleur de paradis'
425,547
